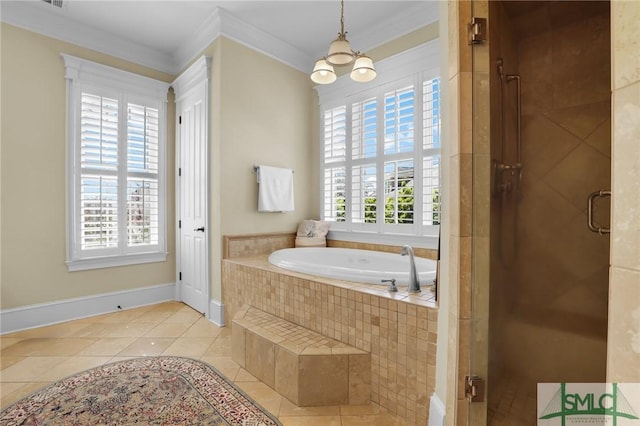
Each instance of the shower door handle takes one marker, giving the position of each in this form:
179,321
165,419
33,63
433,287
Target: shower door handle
593,196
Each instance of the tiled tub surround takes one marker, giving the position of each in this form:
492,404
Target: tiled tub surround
249,245
255,244
307,368
397,329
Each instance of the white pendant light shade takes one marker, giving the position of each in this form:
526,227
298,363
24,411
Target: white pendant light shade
363,69
323,73
340,52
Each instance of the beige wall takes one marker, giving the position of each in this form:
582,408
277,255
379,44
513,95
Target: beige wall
623,345
262,112
265,118
33,178
412,39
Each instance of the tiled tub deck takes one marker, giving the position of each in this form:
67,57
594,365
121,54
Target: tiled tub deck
397,329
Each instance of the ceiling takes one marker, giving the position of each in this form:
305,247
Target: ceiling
166,35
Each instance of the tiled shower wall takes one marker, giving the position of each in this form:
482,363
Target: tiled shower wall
503,45
567,154
623,336
559,272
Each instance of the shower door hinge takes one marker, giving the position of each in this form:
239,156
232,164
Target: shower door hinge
477,30
474,388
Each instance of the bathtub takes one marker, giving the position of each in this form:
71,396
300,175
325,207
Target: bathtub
363,266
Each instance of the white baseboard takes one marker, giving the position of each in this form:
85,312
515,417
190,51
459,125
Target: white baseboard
216,312
436,411
31,316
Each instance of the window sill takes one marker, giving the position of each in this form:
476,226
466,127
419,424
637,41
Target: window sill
427,242
113,261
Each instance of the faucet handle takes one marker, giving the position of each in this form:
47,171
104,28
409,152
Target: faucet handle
392,286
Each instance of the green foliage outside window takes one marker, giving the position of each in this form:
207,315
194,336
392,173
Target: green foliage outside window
436,206
341,209
404,207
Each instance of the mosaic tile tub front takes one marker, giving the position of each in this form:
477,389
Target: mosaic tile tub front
399,330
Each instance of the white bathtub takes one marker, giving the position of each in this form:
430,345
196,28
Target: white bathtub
363,266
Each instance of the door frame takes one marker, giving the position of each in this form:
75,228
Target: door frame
193,79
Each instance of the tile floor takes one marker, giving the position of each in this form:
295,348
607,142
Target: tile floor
513,401
34,358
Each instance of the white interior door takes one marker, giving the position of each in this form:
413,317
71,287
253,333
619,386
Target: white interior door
192,157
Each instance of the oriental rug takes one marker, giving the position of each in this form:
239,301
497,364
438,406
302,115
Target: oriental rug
163,390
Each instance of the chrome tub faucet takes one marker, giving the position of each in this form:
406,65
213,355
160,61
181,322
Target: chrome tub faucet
414,281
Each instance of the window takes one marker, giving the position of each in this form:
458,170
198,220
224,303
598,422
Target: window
381,150
116,125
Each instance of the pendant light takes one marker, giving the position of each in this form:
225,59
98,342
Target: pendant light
363,69
340,54
323,73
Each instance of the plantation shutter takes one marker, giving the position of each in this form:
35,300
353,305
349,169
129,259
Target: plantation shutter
399,172
99,182
431,158
335,140
399,120
142,175
99,168
335,134
364,129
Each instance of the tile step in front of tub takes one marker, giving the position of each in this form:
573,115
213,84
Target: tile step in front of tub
305,367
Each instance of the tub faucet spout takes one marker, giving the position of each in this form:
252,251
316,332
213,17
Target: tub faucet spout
414,281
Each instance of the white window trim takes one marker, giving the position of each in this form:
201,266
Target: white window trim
78,73
423,60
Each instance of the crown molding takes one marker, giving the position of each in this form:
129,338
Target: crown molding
223,23
30,16
192,77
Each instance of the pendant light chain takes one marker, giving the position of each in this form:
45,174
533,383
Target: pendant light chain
342,35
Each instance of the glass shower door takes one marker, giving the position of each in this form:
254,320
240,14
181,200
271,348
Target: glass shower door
478,371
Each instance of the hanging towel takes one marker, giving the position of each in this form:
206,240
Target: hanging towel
275,189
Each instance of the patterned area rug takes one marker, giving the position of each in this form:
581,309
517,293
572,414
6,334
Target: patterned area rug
143,391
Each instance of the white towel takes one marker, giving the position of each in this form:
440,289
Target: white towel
275,189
